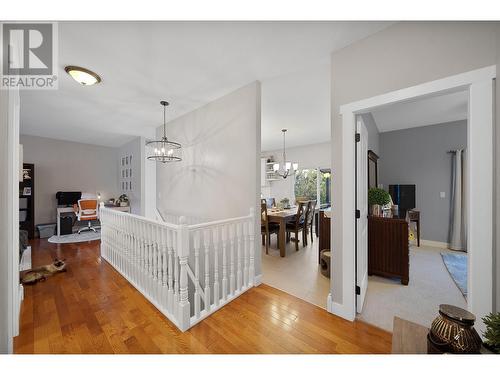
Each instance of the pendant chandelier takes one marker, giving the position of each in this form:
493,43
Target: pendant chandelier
164,151
285,169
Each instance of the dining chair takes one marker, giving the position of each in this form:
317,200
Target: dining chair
267,228
297,225
271,202
308,226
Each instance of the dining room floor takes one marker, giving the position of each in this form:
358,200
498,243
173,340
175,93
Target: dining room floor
298,273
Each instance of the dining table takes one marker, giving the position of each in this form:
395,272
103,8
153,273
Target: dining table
282,216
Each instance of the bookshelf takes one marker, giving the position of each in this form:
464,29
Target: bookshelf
27,200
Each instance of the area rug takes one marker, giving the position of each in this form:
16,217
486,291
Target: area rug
75,237
457,267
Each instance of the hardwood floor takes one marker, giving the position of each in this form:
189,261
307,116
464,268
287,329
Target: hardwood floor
93,309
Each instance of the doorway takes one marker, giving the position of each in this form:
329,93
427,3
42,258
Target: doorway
415,145
479,85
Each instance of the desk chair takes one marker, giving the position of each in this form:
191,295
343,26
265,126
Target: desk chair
87,210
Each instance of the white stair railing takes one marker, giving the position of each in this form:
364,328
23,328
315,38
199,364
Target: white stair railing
158,259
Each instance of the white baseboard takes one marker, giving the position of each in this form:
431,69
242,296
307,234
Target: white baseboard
258,279
441,245
339,309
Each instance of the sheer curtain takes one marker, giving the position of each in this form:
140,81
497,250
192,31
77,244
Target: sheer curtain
458,223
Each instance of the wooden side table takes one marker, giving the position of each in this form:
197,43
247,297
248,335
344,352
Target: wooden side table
408,337
414,215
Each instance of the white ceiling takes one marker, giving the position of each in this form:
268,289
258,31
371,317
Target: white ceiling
188,64
299,102
422,112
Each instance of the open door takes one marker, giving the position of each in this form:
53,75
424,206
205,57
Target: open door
361,213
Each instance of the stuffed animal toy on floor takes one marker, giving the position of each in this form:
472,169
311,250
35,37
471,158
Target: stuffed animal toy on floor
41,273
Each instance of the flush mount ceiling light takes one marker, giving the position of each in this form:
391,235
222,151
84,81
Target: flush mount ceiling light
163,150
285,169
82,76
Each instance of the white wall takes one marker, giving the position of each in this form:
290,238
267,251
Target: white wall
68,166
5,245
300,102
309,157
219,176
403,55
10,291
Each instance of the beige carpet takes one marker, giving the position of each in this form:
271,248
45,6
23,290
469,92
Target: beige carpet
298,273
430,285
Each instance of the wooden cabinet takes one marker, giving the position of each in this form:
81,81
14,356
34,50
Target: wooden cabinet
388,250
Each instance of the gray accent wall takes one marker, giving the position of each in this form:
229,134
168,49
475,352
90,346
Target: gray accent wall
419,156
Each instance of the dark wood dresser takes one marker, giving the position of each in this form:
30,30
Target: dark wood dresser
388,250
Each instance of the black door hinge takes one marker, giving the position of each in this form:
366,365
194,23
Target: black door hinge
358,137
358,290
358,214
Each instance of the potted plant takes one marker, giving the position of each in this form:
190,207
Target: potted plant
376,199
492,334
285,203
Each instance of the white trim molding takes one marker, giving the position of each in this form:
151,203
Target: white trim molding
440,245
479,84
258,279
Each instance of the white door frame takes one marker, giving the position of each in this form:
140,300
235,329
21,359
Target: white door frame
479,84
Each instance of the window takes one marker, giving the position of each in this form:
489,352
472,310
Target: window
307,186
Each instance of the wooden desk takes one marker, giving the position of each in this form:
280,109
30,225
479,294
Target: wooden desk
67,210
281,217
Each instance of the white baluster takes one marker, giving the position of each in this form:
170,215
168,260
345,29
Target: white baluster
183,318
164,267
238,272
176,274
224,261
216,265
156,266
170,271
251,232
232,234
197,273
207,238
245,253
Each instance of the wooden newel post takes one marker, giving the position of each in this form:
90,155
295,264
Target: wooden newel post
183,246
251,234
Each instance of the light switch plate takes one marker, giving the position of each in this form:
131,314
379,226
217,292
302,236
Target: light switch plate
442,194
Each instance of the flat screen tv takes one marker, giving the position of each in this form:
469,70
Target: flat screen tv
403,196
68,198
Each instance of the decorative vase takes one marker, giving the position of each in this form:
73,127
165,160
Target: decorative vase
376,210
453,332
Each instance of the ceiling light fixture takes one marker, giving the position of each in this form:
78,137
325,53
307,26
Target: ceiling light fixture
284,170
164,151
83,76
